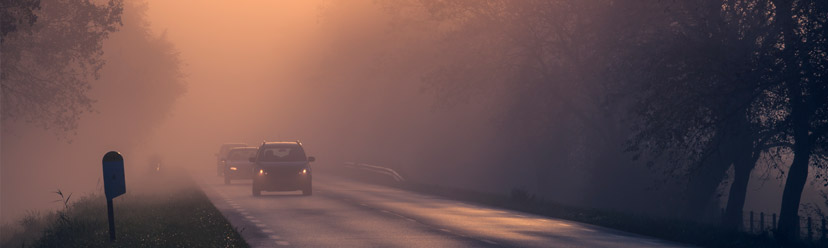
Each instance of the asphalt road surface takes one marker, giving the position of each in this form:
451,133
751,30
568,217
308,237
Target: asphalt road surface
347,213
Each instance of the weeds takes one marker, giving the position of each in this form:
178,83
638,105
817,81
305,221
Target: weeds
163,216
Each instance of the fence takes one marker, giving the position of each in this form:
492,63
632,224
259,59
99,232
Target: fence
813,228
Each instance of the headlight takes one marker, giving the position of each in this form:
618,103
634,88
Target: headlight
233,168
261,172
304,171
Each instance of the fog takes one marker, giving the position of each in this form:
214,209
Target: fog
353,82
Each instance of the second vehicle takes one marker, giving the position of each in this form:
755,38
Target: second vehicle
238,165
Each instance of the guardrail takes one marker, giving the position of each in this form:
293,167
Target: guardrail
376,169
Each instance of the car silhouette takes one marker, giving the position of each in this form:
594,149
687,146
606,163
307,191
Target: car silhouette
221,156
282,166
237,165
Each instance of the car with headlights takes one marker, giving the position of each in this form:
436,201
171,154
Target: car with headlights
221,156
237,165
282,166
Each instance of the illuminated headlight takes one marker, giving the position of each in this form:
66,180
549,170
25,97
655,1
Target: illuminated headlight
304,171
233,168
261,172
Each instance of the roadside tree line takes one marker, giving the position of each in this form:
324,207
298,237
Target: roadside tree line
690,89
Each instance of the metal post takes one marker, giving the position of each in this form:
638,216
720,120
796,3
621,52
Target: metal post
111,220
810,231
773,226
762,222
823,228
798,226
751,221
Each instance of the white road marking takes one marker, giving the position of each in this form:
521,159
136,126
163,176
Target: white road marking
274,236
445,230
395,214
489,241
280,242
261,225
410,219
363,204
255,221
267,231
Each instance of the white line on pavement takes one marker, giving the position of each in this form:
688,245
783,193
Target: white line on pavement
489,241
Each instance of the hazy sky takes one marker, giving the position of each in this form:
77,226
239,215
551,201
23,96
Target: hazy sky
236,54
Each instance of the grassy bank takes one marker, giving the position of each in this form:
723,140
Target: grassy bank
165,210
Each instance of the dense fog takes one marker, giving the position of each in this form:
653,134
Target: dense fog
492,96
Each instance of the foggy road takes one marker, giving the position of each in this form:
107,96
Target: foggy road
347,213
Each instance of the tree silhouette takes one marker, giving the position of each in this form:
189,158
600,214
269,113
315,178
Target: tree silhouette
48,65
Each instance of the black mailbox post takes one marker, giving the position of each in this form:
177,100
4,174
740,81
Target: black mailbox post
114,184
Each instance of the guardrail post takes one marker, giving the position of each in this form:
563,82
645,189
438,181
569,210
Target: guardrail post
810,231
773,225
751,221
762,222
823,229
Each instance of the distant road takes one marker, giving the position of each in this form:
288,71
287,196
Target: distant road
347,213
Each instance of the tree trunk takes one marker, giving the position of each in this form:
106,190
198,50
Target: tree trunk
703,185
742,165
798,173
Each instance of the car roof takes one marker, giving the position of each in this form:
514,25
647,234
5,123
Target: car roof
281,143
244,148
234,144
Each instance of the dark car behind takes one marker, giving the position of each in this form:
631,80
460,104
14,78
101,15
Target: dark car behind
238,165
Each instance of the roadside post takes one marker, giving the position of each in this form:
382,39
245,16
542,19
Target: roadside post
114,184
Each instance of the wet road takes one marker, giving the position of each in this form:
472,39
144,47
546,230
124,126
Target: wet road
347,213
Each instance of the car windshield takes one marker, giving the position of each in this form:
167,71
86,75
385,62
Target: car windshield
226,148
282,153
241,155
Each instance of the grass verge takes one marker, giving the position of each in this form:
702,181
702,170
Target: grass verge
163,210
